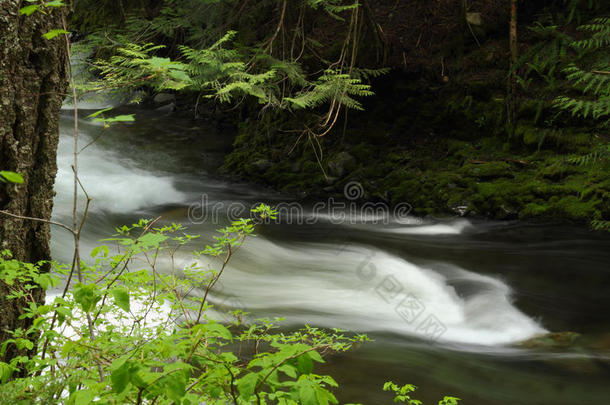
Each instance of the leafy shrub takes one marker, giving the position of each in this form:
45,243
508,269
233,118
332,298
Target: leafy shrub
136,328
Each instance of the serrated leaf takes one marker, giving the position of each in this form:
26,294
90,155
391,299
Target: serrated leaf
86,295
121,298
175,386
304,364
307,395
315,356
83,397
5,372
218,330
29,10
246,385
120,375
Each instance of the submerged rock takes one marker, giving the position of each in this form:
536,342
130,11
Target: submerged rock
164,98
553,340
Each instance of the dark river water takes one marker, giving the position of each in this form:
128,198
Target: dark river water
446,301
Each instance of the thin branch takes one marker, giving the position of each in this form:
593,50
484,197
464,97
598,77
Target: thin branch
46,221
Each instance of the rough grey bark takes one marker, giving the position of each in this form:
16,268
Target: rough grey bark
33,82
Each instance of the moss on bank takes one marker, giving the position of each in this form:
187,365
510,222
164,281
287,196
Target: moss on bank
434,136
444,150
448,177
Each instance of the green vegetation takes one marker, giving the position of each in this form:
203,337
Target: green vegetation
323,93
135,328
444,148
447,145
11,177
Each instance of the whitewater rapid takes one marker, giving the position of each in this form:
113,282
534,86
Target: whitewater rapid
347,285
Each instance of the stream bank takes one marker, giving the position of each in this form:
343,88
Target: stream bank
443,149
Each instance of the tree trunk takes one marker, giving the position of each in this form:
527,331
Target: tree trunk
512,78
33,82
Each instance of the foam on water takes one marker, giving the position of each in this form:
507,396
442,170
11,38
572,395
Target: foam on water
353,287
114,182
363,289
451,228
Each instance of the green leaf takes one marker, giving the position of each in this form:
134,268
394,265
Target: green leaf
44,281
63,313
95,114
53,33
11,176
82,397
5,372
118,118
24,343
246,385
121,298
289,370
120,375
175,386
315,356
304,364
87,295
29,10
307,395
151,240
54,3
96,251
218,330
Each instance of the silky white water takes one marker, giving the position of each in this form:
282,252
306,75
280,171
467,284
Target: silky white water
351,286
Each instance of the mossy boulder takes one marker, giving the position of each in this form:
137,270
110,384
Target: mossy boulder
341,164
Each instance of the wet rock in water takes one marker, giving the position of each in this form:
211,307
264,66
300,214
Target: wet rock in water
602,343
164,98
168,108
340,164
507,213
461,210
553,340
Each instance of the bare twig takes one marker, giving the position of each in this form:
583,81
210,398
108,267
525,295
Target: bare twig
46,221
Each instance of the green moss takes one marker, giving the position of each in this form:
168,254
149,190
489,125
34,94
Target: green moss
531,136
489,170
533,210
558,170
575,208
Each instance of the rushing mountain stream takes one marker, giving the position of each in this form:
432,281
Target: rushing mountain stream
448,302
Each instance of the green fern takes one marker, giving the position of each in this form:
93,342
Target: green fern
600,225
333,7
598,154
593,82
332,86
